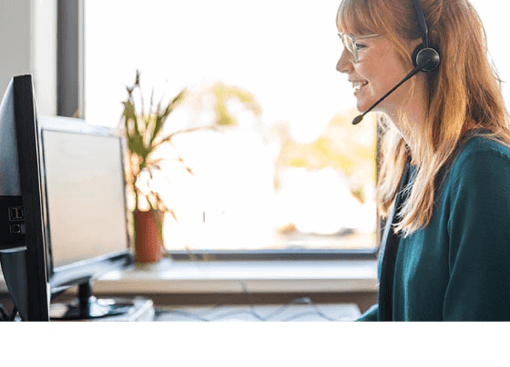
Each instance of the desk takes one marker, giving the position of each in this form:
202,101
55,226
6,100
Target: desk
188,283
294,312
144,311
277,282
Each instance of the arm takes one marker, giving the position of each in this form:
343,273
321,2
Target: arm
479,247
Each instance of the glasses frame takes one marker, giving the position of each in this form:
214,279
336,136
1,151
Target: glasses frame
349,42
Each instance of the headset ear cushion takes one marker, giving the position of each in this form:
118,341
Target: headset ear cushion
431,54
415,54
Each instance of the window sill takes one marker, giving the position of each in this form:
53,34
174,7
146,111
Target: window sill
187,277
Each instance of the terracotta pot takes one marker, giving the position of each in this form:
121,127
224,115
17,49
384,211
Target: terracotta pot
148,237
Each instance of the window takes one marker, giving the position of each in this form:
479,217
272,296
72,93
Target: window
284,170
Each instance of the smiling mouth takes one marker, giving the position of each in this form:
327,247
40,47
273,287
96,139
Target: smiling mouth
358,85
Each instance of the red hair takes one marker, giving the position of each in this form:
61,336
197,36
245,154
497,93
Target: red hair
464,93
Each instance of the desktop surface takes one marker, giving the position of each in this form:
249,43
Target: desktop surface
182,289
300,310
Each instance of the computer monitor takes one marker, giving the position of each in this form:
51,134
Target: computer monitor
22,233
86,213
75,228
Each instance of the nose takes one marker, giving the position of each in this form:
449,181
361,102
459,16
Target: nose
344,64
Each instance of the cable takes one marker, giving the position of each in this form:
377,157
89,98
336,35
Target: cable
252,310
207,316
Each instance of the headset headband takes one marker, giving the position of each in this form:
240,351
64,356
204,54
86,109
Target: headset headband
423,24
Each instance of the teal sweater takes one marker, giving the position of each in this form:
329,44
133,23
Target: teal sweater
458,266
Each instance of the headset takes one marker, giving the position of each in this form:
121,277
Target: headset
425,58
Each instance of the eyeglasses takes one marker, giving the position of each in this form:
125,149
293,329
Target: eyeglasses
350,43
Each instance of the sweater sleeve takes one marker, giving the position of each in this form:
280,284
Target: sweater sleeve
479,244
370,315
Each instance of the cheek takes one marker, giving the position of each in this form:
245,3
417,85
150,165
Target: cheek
384,75
384,65
376,76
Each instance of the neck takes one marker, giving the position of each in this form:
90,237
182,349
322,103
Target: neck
410,119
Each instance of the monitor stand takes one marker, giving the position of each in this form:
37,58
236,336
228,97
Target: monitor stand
87,307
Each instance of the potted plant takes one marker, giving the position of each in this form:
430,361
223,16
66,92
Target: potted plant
143,131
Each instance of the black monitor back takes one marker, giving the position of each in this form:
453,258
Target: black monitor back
22,244
61,190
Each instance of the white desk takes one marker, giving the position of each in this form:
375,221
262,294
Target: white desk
238,277
261,313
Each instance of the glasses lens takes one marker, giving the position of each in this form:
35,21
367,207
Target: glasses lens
348,42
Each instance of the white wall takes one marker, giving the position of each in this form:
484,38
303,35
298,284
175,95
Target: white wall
28,45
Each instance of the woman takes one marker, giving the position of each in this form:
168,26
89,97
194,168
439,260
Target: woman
451,254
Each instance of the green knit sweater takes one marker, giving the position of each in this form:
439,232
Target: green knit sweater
458,266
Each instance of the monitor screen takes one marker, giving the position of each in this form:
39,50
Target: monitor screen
85,196
85,212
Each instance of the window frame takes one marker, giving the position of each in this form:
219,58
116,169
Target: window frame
70,58
71,102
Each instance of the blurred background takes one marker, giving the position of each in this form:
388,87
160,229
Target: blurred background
276,162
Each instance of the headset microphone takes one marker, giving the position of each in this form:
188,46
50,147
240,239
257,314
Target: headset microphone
425,58
428,60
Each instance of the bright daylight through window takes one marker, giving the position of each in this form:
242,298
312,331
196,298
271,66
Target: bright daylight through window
276,162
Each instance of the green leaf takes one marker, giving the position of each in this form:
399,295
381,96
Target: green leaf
141,131
135,144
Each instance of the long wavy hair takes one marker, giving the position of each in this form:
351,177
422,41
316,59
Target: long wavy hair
464,94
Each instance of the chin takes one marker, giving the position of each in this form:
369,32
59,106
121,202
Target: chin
362,106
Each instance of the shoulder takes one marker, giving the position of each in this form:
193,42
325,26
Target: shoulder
480,156
477,199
